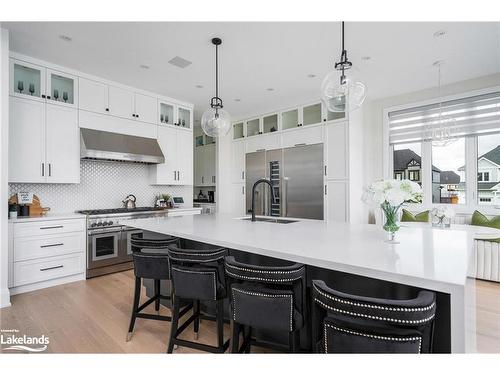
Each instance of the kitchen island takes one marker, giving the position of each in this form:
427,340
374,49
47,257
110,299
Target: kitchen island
424,258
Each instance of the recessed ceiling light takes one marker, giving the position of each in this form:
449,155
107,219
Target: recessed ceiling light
65,38
199,86
270,89
311,75
366,58
237,100
439,33
144,66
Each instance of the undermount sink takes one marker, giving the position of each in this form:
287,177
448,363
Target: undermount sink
271,220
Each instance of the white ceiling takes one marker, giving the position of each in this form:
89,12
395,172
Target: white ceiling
257,56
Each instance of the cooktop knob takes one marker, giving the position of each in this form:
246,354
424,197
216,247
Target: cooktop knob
110,222
92,225
99,224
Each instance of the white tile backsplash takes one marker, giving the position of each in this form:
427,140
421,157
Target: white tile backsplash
102,185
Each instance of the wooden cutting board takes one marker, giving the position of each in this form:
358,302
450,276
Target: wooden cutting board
36,208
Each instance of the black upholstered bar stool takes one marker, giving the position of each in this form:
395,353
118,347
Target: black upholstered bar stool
346,323
150,262
266,297
197,274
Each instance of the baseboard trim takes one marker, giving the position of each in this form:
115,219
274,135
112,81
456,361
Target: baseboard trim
4,298
46,284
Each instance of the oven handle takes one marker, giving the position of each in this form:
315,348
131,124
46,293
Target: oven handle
91,232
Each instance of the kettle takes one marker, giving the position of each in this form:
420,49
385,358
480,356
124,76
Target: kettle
129,201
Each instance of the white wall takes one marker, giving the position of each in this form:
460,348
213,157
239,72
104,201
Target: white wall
4,163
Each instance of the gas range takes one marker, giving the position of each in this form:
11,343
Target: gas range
108,237
111,217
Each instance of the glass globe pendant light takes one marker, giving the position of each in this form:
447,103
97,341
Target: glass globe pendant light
216,122
345,92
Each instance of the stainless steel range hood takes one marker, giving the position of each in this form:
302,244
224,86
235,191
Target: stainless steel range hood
101,145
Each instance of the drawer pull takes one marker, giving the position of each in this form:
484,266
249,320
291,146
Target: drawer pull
299,144
52,245
53,227
51,268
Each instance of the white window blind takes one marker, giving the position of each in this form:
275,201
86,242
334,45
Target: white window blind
473,115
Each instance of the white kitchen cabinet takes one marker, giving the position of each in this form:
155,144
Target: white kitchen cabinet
62,89
121,102
337,200
62,144
26,140
184,117
93,96
184,157
238,199
27,80
302,136
177,147
263,142
145,108
336,152
238,162
44,142
205,174
97,121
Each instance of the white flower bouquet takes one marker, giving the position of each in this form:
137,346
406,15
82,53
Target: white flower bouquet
390,195
441,216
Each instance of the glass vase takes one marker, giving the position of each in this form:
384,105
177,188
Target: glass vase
391,218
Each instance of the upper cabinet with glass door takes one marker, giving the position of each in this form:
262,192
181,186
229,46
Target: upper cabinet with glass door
270,123
184,117
39,83
253,127
27,80
62,88
311,114
166,114
238,131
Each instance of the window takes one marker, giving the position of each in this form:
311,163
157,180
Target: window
488,169
445,172
407,161
448,166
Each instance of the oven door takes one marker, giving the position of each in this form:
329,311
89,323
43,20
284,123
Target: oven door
125,247
103,247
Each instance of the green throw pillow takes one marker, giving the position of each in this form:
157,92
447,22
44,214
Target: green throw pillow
422,217
479,219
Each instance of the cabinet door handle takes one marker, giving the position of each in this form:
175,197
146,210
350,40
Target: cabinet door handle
48,97
51,268
43,169
260,149
202,179
43,96
325,171
242,175
178,176
243,190
299,144
50,169
107,109
52,245
175,176
326,192
137,116
53,227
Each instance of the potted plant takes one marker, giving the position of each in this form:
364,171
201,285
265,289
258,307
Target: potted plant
390,195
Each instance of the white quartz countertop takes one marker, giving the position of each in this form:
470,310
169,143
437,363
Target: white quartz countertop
427,257
48,216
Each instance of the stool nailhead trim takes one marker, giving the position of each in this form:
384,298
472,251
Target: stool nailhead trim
374,316
201,273
259,278
375,337
403,309
264,271
258,294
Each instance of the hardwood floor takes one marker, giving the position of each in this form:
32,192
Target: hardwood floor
92,317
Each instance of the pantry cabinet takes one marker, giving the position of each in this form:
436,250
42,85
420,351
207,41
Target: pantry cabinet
336,152
44,142
238,162
238,199
177,148
336,202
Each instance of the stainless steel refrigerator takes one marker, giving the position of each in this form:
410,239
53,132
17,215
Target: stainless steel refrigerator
296,174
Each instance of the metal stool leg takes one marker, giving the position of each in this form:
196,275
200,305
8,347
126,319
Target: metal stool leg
137,296
220,323
157,294
235,336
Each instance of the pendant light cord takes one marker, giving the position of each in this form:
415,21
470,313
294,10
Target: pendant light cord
217,71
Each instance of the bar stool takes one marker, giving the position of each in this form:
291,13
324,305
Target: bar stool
150,262
197,273
346,323
266,297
